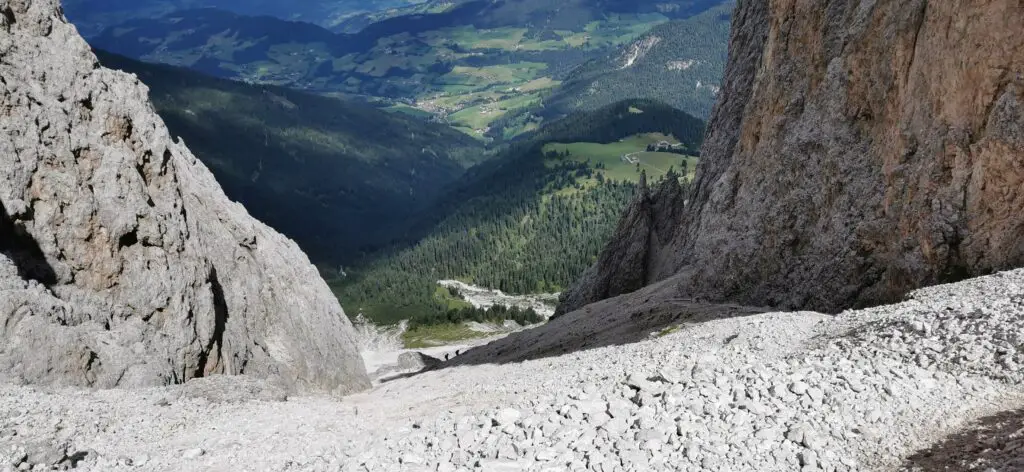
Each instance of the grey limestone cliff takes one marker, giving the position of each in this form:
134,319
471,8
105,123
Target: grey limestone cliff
122,263
860,149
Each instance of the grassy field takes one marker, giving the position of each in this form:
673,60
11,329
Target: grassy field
441,65
442,295
480,116
439,335
656,164
472,98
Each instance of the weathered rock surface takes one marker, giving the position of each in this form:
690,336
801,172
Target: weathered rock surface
122,263
865,390
635,248
860,149
416,360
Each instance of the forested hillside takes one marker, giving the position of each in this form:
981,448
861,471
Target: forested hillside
337,176
469,64
679,63
528,221
93,16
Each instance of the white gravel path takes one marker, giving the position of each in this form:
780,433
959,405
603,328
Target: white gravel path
863,390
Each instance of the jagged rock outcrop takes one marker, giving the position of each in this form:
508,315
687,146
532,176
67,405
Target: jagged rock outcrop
416,361
636,247
860,149
122,263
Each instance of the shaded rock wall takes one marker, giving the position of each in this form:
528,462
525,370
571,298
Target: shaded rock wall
122,263
860,149
636,247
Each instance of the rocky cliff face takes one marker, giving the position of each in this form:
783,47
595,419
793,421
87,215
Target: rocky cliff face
635,248
122,263
860,149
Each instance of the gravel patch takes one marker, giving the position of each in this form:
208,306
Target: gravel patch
928,382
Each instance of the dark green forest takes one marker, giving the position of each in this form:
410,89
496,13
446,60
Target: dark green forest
518,223
495,314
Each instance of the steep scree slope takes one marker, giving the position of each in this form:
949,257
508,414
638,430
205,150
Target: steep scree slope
913,386
122,263
860,149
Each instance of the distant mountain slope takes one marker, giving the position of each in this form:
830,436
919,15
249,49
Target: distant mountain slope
680,63
225,44
336,176
536,15
469,63
529,221
93,16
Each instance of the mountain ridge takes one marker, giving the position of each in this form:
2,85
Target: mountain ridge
670,63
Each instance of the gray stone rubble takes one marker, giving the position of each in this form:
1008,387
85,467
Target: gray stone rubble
864,390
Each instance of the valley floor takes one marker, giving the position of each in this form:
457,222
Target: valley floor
934,381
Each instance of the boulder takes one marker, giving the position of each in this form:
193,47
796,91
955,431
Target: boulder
122,263
416,361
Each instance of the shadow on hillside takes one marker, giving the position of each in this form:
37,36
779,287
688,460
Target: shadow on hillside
403,376
616,322
991,443
24,251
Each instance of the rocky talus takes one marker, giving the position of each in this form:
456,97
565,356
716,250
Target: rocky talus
122,263
860,149
933,383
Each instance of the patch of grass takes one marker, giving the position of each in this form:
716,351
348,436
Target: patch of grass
666,331
442,295
539,84
469,37
511,132
610,157
489,76
658,163
439,335
481,116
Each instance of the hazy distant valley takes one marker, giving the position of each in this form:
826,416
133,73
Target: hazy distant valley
464,140
511,235
491,69
92,17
